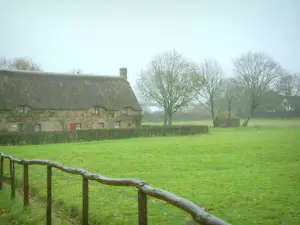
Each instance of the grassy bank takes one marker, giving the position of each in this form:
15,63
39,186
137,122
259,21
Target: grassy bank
11,211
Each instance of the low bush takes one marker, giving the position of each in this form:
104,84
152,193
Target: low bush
222,120
19,138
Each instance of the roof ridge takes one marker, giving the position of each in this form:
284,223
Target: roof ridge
39,73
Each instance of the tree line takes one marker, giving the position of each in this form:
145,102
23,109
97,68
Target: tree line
26,64
19,63
172,82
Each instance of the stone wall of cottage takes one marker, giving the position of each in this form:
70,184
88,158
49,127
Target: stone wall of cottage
61,120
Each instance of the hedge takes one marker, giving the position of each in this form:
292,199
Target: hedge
22,138
222,120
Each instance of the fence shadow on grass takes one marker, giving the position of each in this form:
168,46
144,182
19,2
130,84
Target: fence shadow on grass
143,191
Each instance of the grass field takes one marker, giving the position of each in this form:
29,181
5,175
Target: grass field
11,212
242,175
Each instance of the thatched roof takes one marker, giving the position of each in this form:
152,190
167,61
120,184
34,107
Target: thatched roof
41,90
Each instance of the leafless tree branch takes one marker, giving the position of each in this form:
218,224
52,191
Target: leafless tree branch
168,83
19,63
259,73
210,78
288,85
230,94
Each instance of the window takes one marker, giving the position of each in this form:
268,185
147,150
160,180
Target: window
100,125
117,124
129,125
20,127
37,128
270,110
78,126
96,109
21,108
124,111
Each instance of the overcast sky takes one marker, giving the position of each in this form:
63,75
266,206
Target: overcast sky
102,36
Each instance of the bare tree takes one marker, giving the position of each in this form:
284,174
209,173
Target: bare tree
167,83
289,84
258,73
209,89
22,63
230,94
19,63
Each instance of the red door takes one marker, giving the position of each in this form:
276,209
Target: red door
73,126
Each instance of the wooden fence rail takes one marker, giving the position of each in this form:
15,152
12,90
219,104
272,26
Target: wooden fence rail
144,190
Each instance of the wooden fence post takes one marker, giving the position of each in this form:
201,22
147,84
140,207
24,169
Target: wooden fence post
12,178
49,195
1,171
85,201
26,186
142,205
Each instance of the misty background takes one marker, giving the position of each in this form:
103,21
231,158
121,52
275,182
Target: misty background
99,37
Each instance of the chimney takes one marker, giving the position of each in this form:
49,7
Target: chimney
123,72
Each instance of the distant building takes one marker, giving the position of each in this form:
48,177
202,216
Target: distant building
38,101
279,106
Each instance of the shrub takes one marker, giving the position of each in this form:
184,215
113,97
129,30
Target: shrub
18,138
222,120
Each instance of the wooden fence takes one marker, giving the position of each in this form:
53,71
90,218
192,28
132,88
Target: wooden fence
144,190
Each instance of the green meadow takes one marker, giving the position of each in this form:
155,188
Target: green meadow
242,175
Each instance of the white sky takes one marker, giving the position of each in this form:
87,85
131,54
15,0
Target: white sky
102,36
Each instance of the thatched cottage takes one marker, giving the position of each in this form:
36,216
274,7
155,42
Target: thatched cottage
38,101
